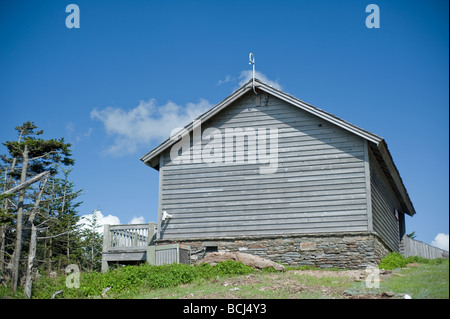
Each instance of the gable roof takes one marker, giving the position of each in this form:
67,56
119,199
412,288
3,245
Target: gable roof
377,144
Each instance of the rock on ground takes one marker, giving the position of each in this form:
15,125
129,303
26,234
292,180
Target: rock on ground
246,259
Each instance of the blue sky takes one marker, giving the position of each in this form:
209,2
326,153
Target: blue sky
116,86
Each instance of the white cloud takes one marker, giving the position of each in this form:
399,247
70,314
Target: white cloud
83,136
137,220
246,75
70,127
228,78
146,122
441,241
101,220
75,134
137,127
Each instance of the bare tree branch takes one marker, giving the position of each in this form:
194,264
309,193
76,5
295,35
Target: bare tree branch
42,156
60,234
27,183
38,200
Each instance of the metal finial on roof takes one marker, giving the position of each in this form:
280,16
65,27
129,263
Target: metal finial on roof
251,58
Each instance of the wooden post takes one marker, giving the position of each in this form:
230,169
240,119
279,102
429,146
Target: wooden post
106,238
161,172
134,234
151,233
151,255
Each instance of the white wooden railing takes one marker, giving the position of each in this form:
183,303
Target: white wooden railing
128,237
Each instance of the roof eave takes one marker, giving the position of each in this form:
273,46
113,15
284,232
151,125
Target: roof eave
320,113
389,162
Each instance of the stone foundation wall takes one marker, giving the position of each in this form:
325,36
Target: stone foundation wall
346,251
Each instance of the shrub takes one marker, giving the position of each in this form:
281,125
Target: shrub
392,261
129,279
421,260
396,260
231,267
206,271
417,259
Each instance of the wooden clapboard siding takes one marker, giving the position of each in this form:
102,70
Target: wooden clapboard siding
384,204
319,185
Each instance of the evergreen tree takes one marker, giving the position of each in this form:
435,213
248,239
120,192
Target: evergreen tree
60,234
412,235
39,221
92,243
30,155
6,217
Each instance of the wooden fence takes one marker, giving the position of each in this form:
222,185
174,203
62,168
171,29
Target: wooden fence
411,247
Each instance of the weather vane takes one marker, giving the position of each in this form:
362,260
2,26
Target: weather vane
251,58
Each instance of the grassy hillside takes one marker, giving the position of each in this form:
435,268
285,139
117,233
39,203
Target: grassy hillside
423,279
426,281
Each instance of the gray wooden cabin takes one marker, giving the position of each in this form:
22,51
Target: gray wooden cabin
331,177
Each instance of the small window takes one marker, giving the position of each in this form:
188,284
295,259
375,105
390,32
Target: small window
211,249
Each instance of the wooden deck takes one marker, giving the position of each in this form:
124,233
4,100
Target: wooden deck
126,243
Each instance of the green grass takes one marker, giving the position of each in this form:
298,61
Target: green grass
428,281
258,285
234,280
127,281
396,260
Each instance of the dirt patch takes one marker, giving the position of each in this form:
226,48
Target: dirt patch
354,275
351,274
367,296
243,280
292,284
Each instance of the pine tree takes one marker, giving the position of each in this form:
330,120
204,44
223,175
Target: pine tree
6,216
92,243
30,155
60,242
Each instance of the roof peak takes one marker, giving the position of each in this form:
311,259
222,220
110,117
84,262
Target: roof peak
377,141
